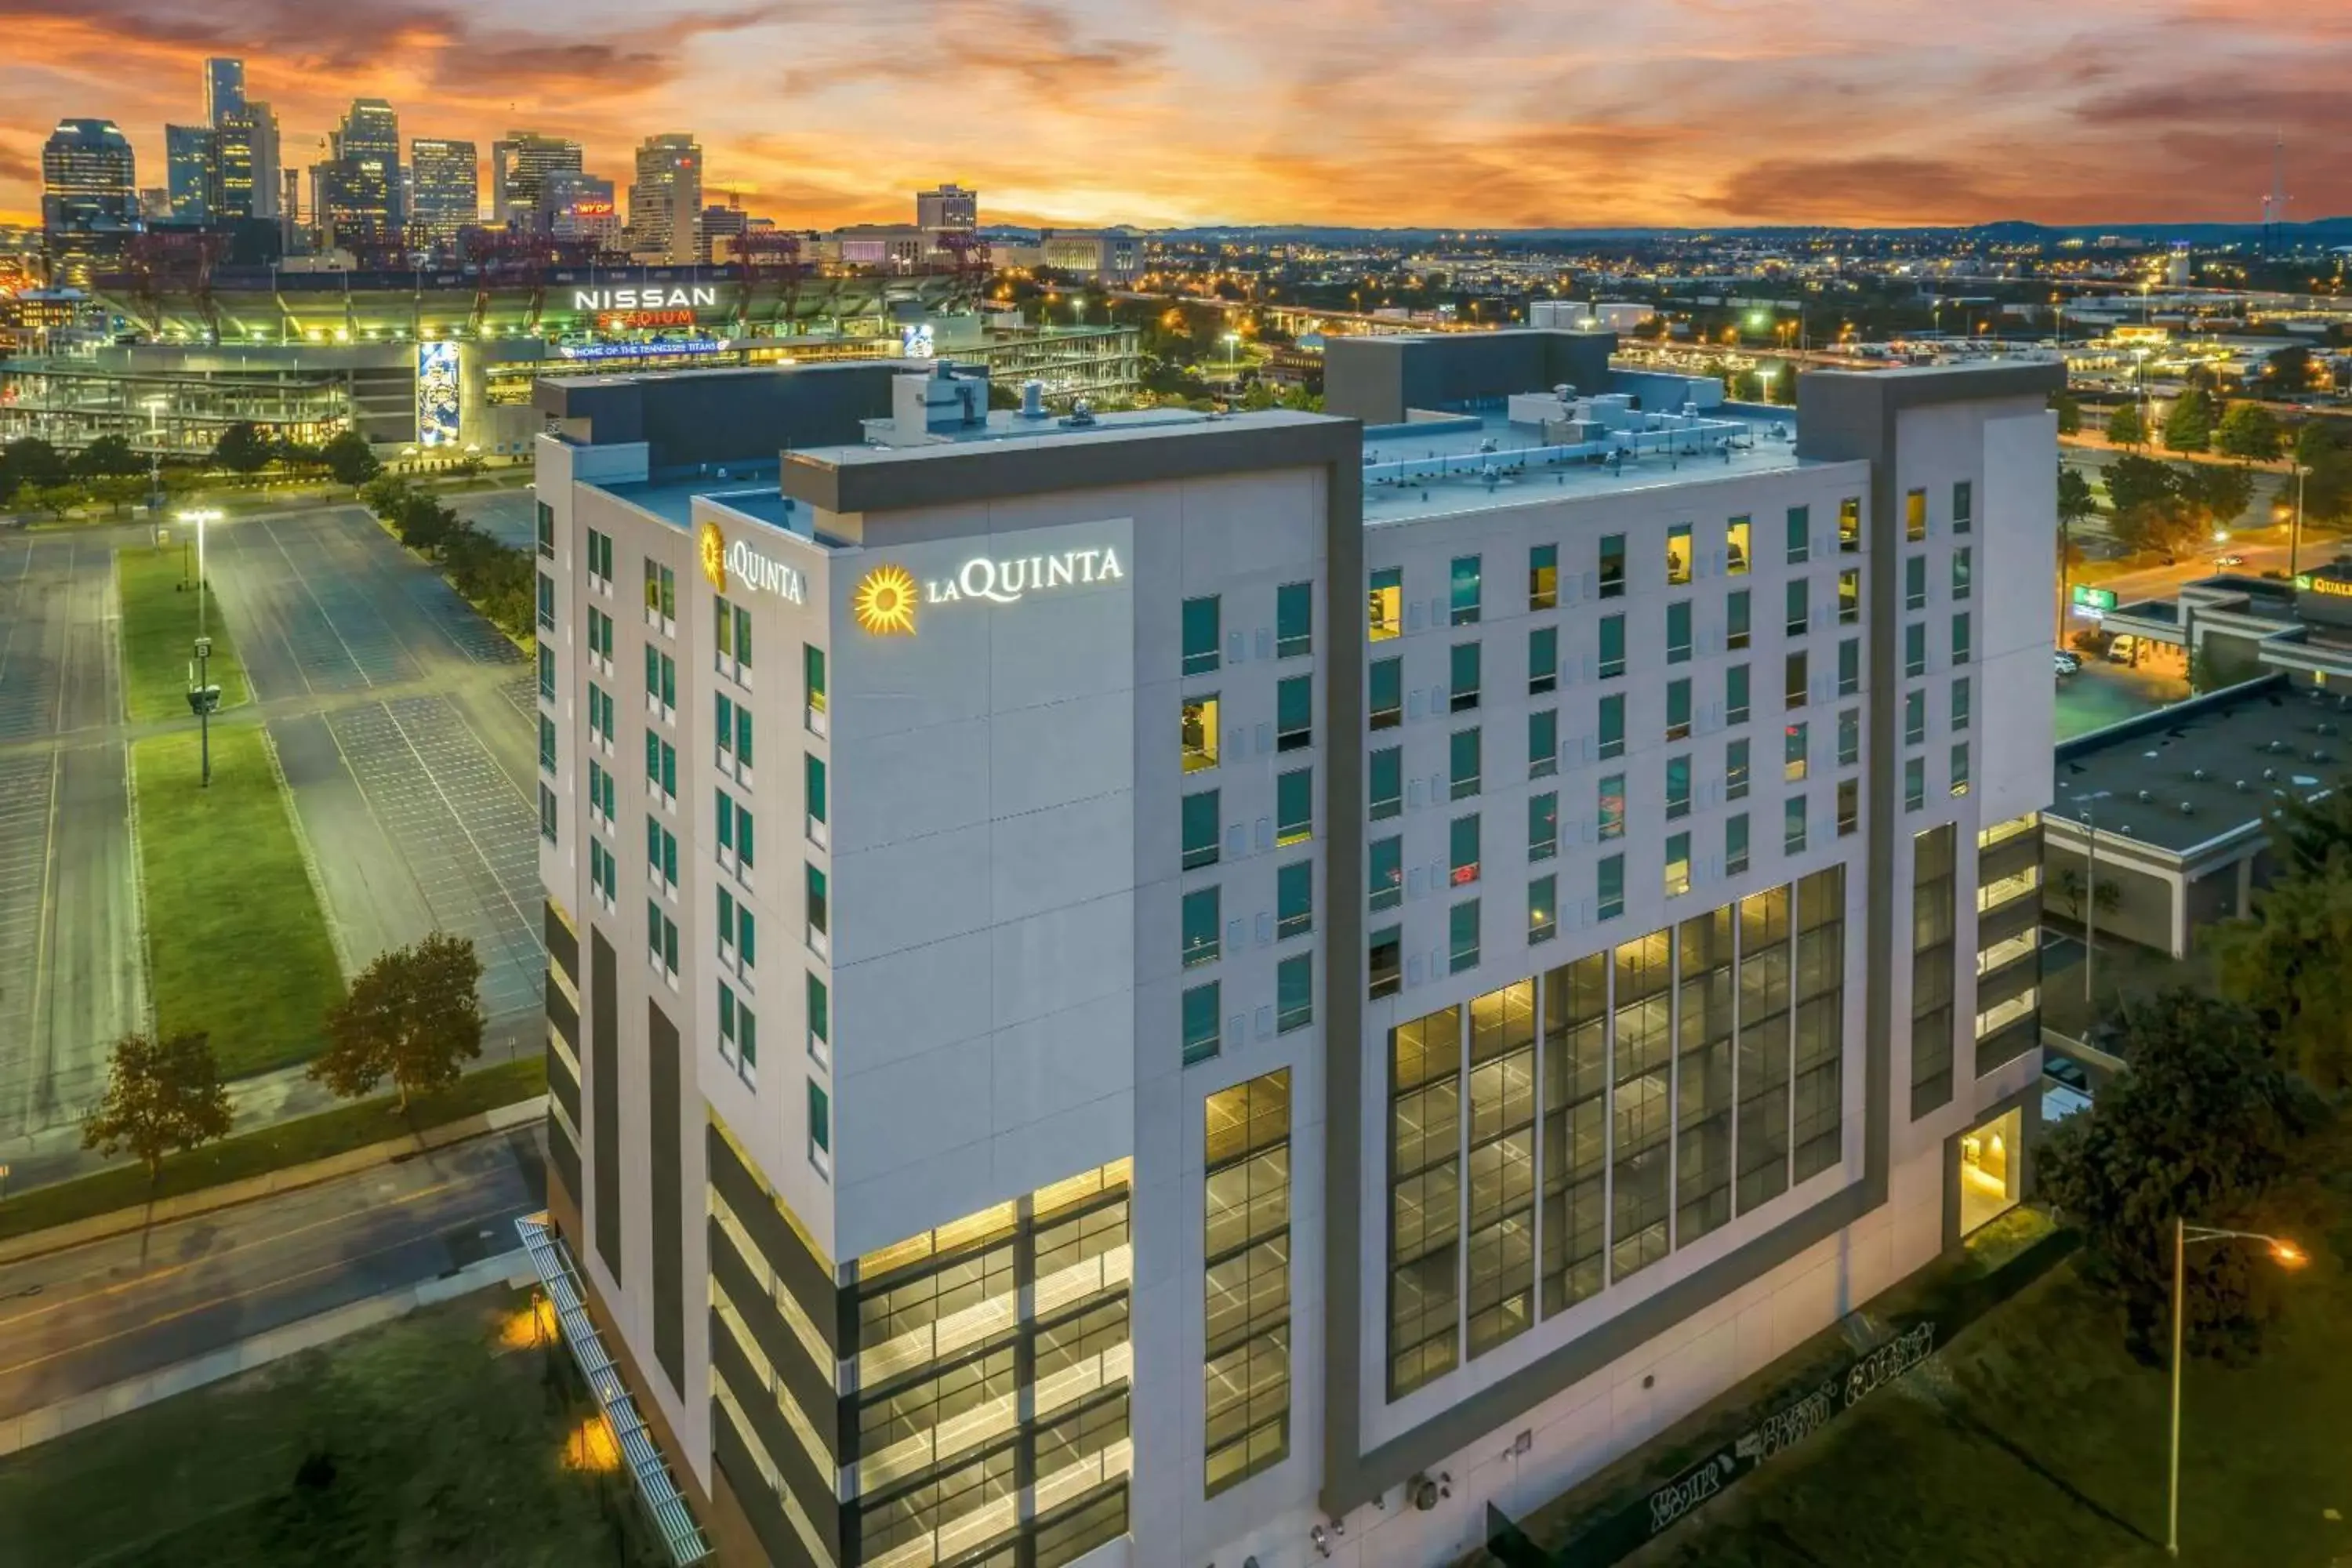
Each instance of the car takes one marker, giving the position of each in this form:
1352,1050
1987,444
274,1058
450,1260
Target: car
2229,561
2067,663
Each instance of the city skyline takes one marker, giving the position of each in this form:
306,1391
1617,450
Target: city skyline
1696,112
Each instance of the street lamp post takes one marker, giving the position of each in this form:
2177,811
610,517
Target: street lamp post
201,695
2295,535
2283,1252
2090,884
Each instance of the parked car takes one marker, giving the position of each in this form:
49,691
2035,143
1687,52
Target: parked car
2120,651
2229,561
2068,663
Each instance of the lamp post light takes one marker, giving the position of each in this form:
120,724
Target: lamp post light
1233,352
2090,882
203,696
2295,535
2287,1255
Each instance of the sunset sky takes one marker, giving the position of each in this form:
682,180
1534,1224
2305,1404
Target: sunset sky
1454,112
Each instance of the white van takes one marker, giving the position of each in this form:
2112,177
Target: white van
2120,651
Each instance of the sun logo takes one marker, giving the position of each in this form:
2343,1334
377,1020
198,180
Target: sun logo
885,602
713,545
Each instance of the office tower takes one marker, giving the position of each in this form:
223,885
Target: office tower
1316,957
949,207
223,90
448,187
289,203
367,147
718,229
666,198
192,173
519,164
248,163
576,205
90,194
155,203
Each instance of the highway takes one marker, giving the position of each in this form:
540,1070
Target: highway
90,1316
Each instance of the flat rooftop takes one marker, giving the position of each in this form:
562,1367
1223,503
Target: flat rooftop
2225,757
747,488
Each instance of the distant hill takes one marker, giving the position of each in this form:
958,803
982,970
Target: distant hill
2320,231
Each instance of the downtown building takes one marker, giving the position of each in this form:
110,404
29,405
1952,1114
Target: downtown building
666,200
1189,989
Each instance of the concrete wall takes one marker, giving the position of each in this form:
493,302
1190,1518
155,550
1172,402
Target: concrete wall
1377,379
719,415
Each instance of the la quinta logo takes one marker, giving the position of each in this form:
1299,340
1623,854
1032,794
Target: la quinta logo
713,546
885,602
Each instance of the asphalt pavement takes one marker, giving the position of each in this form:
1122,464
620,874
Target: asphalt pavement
79,1320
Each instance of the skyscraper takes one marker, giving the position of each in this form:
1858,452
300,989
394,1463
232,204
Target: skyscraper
949,207
90,192
666,198
576,205
192,173
247,185
367,146
518,166
448,183
223,90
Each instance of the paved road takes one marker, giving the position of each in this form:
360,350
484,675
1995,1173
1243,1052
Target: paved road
79,1320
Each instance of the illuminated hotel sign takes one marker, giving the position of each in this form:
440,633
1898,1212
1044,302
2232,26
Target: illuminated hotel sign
2326,587
651,297
886,599
721,561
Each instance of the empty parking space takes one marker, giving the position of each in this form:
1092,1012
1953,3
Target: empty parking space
510,517
26,793
53,609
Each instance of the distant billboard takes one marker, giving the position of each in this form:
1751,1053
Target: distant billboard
915,341
436,394
2089,598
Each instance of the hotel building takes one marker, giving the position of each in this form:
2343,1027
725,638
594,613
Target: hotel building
1230,990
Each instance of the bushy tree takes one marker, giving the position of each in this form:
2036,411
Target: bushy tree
2166,528
424,523
107,456
411,1016
2134,480
2287,963
2069,409
349,459
243,448
2247,430
29,463
2188,426
2124,426
2200,1127
2217,492
161,1095
383,494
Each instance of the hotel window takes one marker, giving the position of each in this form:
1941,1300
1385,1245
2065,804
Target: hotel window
739,1037
661,593
731,728
812,687
1960,642
1914,650
1294,900
1736,619
604,874
1914,718
1543,825
661,767
1792,824
1201,825
1797,613
1915,583
1385,873
1678,869
1609,887
601,724
735,830
1500,1232
1735,844
1963,505
1386,783
1963,573
1678,709
1464,590
1915,516
819,909
1543,908
1849,807
546,603
1611,814
1641,1073
1795,747
1850,525
1384,606
1849,737
1201,922
1613,646
1543,577
1800,535
1960,703
600,795
1424,1206
1678,554
1464,689
600,558
1543,742
1735,770
742,643
1384,962
1199,734
1543,661
733,630
1705,984
1294,806
661,854
1849,676
1915,783
1679,787
820,1022
1201,635
1463,765
1462,937
1387,683
600,635
1294,993
1850,598
820,1128
547,744
1294,619
1612,565
1960,768
1200,1023
1575,1112
661,940
1612,727
1934,948
1679,632
547,813
1735,547
1294,713
1793,681
1245,1316
1820,1001
1462,850
1763,1067
1736,695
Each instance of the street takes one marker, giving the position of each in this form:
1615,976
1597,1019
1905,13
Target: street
79,1320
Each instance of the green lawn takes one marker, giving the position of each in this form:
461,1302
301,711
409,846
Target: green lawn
158,629
441,1439
238,946
2036,1440
273,1148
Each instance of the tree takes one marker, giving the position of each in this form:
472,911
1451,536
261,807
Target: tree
2250,431
412,1015
2073,889
2124,426
2217,492
107,456
2189,426
2285,963
243,448
2201,1128
2168,528
2288,370
2076,501
29,461
56,500
161,1095
383,494
2069,409
117,491
349,458
2134,480
424,523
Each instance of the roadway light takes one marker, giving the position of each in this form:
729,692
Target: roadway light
2283,1252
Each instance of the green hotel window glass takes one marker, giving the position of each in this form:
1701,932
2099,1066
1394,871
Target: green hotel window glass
1466,588
1200,1023
1294,619
1201,635
1201,829
1202,923
1294,806
1294,899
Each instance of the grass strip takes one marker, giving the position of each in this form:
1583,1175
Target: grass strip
158,631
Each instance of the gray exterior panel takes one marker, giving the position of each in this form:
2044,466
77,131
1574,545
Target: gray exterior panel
604,1076
664,1094
809,1280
